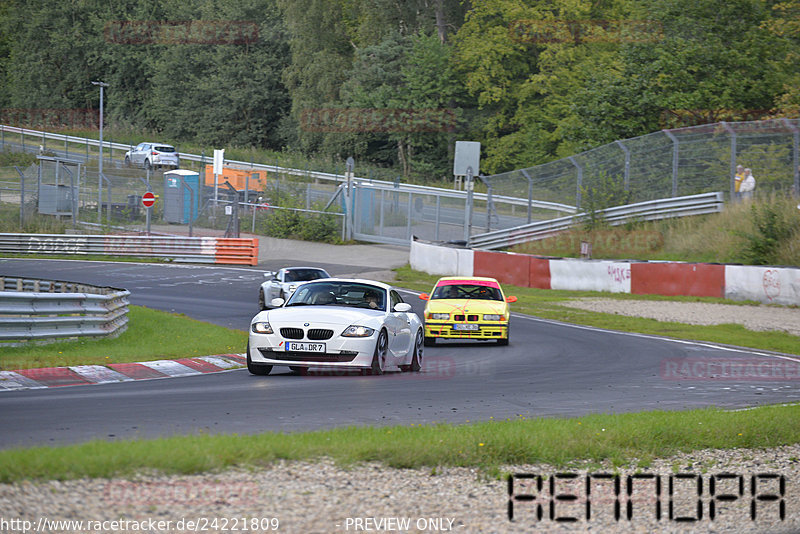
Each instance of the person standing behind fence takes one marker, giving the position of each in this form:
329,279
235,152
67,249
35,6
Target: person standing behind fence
737,180
748,185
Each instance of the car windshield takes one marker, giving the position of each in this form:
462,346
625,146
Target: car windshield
467,291
304,275
350,294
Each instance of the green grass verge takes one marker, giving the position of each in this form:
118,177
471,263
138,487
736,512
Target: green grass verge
151,335
544,303
620,439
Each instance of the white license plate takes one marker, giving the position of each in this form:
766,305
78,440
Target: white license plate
294,346
470,327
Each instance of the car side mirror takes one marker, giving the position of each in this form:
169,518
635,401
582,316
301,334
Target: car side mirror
269,274
402,307
424,296
511,299
277,302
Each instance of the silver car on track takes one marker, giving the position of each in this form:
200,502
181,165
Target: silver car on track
282,283
337,324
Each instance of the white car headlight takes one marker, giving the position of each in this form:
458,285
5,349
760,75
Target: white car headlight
261,327
358,331
440,316
492,317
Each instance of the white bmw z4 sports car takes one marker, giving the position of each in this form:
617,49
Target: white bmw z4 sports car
337,324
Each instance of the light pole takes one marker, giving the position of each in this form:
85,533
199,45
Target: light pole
100,169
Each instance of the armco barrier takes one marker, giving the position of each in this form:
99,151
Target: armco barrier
693,279
38,310
778,285
179,249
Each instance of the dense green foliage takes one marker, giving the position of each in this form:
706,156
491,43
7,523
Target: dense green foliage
773,229
765,231
512,74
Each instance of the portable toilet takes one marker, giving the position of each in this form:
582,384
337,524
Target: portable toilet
179,203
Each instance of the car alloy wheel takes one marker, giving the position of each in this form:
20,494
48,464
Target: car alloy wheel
262,305
148,165
416,360
127,161
381,350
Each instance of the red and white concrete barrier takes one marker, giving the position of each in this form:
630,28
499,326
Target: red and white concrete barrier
778,285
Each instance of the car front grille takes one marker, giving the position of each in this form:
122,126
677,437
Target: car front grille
319,334
292,333
469,318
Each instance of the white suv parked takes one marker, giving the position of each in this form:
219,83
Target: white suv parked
152,155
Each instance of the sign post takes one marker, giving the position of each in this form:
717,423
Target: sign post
219,156
466,163
349,197
148,200
469,184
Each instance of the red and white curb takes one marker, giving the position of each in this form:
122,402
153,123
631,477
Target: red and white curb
82,375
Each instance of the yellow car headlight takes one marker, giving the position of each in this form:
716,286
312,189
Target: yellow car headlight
493,317
439,316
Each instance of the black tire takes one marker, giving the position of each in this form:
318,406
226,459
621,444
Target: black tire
416,360
147,165
302,371
262,305
502,342
381,351
127,161
430,341
257,369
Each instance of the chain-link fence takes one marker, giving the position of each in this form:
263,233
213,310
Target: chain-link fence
669,163
73,194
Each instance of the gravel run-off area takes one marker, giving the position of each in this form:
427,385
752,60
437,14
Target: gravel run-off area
321,497
309,497
758,318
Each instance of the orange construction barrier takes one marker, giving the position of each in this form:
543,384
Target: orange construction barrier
237,251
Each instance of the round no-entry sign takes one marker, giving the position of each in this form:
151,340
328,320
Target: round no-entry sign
148,199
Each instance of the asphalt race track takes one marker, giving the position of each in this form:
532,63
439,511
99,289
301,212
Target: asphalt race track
549,369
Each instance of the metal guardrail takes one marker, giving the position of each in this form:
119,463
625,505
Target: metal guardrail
405,188
642,211
41,310
178,249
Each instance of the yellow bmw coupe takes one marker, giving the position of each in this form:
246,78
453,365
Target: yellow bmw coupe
467,307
